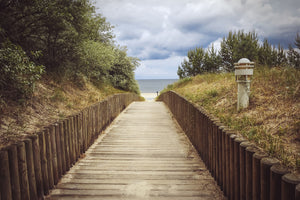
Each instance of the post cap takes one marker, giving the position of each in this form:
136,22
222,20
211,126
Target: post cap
244,60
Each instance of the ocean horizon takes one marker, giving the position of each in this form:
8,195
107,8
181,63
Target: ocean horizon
154,85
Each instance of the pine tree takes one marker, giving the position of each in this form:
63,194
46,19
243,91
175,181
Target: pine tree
297,41
238,45
293,54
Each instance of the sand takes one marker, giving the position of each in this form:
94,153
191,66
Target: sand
149,96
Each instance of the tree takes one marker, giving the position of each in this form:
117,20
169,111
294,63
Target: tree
199,61
95,60
194,65
294,53
73,39
184,69
227,51
265,56
281,58
297,41
238,45
55,27
293,57
17,73
121,74
212,61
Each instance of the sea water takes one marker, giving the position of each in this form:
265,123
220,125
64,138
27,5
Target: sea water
154,85
150,87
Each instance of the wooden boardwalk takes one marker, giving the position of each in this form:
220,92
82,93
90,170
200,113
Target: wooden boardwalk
142,155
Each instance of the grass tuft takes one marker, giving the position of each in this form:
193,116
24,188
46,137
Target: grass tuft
272,119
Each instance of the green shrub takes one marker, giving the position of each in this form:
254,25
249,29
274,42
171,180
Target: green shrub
17,73
58,95
212,93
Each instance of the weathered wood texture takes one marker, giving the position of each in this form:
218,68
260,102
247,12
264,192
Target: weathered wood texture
242,172
32,166
142,155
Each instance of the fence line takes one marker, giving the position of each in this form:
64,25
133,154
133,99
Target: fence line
31,167
240,168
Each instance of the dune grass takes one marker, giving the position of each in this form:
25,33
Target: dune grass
272,120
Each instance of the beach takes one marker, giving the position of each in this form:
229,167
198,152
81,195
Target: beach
149,96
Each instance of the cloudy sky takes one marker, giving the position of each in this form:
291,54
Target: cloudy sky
160,32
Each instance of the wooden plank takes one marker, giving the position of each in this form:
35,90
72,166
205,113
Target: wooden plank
142,155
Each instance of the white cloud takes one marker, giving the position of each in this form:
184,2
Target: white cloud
160,32
159,68
217,44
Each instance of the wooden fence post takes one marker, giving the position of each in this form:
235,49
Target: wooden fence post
22,165
63,147
80,133
237,142
297,192
76,134
72,140
37,165
277,171
249,171
30,169
256,174
231,165
49,158
220,161
14,171
5,184
242,152
288,186
265,165
67,144
58,150
227,134
44,162
54,154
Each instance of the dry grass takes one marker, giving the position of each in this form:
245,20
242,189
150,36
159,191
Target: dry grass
50,103
272,119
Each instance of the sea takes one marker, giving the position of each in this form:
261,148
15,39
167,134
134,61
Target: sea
151,87
154,85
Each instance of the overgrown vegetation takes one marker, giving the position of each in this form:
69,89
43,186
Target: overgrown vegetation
272,119
234,46
56,57
65,39
17,73
49,103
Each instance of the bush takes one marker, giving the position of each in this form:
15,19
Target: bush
17,73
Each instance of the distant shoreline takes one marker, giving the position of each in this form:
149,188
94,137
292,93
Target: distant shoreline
154,85
149,96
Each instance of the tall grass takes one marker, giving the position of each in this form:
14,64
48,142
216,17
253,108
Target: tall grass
272,119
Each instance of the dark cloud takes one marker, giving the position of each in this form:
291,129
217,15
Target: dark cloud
161,32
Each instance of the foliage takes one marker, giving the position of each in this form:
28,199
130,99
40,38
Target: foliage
96,59
74,42
234,46
55,27
238,45
294,54
268,121
121,74
212,60
17,73
270,55
199,61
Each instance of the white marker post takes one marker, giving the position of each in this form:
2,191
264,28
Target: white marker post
243,74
